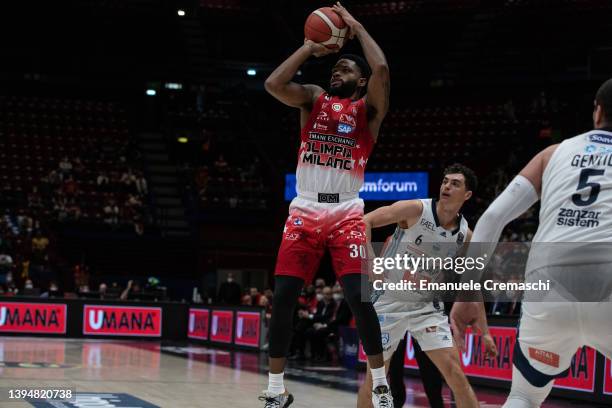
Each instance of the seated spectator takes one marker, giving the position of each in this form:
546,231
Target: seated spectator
52,291
132,291
6,267
102,181
65,168
221,166
141,184
111,213
323,315
302,323
253,298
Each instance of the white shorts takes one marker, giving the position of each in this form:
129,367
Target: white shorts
550,333
427,324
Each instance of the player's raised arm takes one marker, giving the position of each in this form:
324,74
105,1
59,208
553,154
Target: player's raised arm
280,85
392,214
379,85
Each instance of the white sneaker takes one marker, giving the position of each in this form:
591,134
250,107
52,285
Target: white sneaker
381,397
275,400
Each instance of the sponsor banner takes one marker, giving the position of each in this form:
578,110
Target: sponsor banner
581,375
103,320
607,388
476,364
381,186
248,325
84,400
50,318
409,357
221,326
198,324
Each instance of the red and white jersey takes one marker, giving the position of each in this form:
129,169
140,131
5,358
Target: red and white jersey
335,145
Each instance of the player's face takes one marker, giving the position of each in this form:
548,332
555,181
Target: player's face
453,189
345,78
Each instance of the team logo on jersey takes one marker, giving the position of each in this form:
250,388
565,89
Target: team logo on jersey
323,116
385,338
443,233
601,138
337,107
298,221
318,126
590,148
460,238
344,128
348,119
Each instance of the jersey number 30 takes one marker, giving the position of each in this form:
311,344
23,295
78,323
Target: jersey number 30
583,182
357,251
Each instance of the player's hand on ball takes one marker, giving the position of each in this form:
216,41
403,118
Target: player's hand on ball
349,20
318,50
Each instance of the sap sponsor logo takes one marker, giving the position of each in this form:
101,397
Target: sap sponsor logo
343,128
601,138
298,222
318,126
347,119
323,116
337,107
33,318
98,400
122,321
388,186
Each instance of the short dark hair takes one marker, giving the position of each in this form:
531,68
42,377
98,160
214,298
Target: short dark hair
363,65
471,181
604,99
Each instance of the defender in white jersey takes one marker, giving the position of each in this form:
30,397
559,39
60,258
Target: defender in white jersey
573,180
436,229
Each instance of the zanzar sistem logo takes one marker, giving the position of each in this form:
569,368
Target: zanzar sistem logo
601,138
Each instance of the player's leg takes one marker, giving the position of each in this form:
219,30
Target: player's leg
298,258
393,330
447,361
430,376
346,240
548,337
368,328
432,331
395,374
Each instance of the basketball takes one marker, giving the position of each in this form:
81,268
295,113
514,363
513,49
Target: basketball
324,26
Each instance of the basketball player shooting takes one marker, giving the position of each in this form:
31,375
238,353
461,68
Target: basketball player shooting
339,129
436,228
573,181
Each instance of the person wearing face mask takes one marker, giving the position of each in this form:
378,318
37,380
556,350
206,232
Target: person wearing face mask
229,291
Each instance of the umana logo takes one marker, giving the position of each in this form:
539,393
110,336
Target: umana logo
33,318
36,318
122,321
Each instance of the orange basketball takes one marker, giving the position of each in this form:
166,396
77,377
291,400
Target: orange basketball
324,26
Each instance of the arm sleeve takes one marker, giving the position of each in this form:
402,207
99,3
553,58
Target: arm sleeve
517,198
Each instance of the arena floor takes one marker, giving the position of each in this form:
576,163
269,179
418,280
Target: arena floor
136,374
